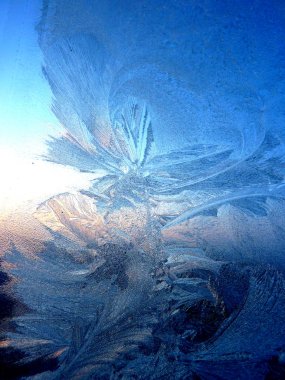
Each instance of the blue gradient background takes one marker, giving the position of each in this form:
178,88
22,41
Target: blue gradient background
24,93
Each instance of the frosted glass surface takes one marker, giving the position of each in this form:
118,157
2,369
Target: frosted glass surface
170,265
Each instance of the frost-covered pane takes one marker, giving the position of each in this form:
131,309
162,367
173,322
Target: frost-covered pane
170,265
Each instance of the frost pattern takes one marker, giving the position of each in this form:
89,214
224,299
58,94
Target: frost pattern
171,265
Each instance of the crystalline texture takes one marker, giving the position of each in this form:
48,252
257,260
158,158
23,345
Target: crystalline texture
172,264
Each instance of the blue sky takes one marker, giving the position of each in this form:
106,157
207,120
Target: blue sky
25,96
26,119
